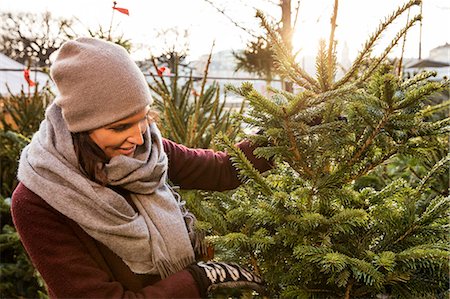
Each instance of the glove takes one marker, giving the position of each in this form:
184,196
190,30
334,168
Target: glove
213,275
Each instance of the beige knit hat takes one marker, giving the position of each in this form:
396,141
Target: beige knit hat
98,84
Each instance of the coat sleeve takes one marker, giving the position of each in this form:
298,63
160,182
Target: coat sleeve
68,266
205,169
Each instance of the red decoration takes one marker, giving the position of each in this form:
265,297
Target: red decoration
26,75
122,10
161,70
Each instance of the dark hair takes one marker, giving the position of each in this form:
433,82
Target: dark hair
91,158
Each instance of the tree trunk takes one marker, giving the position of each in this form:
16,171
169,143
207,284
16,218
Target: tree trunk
286,33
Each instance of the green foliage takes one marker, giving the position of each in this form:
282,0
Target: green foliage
339,216
189,117
20,118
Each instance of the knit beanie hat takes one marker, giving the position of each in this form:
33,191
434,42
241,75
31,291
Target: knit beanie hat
98,84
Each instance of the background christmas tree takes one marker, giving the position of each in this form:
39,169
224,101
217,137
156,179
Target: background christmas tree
19,119
189,112
340,215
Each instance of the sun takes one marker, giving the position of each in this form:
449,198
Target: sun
306,40
313,25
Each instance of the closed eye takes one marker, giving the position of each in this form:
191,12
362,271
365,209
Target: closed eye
120,128
126,126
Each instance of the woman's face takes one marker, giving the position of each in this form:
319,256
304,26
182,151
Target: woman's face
123,136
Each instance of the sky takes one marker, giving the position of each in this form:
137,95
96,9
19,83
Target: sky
204,25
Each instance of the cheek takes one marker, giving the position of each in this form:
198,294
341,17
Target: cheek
106,140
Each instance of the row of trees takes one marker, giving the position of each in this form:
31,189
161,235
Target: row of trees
31,39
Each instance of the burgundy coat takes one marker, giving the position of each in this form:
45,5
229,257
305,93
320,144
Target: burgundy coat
74,265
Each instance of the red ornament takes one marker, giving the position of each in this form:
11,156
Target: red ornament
161,71
122,10
26,75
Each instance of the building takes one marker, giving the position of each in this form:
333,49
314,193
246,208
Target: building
441,53
438,61
222,71
12,78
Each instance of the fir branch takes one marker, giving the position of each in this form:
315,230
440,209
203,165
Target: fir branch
443,164
174,120
237,241
334,93
246,169
362,55
205,72
369,140
417,94
420,77
286,94
434,128
185,91
199,104
430,110
386,260
437,208
294,148
208,121
308,221
323,74
265,104
365,272
269,151
16,137
422,257
286,60
256,99
331,63
348,219
333,262
374,65
300,102
308,252
410,230
343,278
376,198
372,164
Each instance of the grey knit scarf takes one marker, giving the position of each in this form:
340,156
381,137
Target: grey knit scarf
154,240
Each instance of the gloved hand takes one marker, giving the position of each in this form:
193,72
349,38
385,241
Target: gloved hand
213,275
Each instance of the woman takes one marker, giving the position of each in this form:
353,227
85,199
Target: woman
93,207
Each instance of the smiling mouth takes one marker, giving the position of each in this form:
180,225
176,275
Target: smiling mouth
126,151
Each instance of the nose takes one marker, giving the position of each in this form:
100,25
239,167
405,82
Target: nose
136,135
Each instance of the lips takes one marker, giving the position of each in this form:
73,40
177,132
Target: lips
126,151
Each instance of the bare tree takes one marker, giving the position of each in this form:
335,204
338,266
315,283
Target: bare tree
31,39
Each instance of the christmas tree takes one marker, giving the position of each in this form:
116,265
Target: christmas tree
19,119
316,226
188,116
